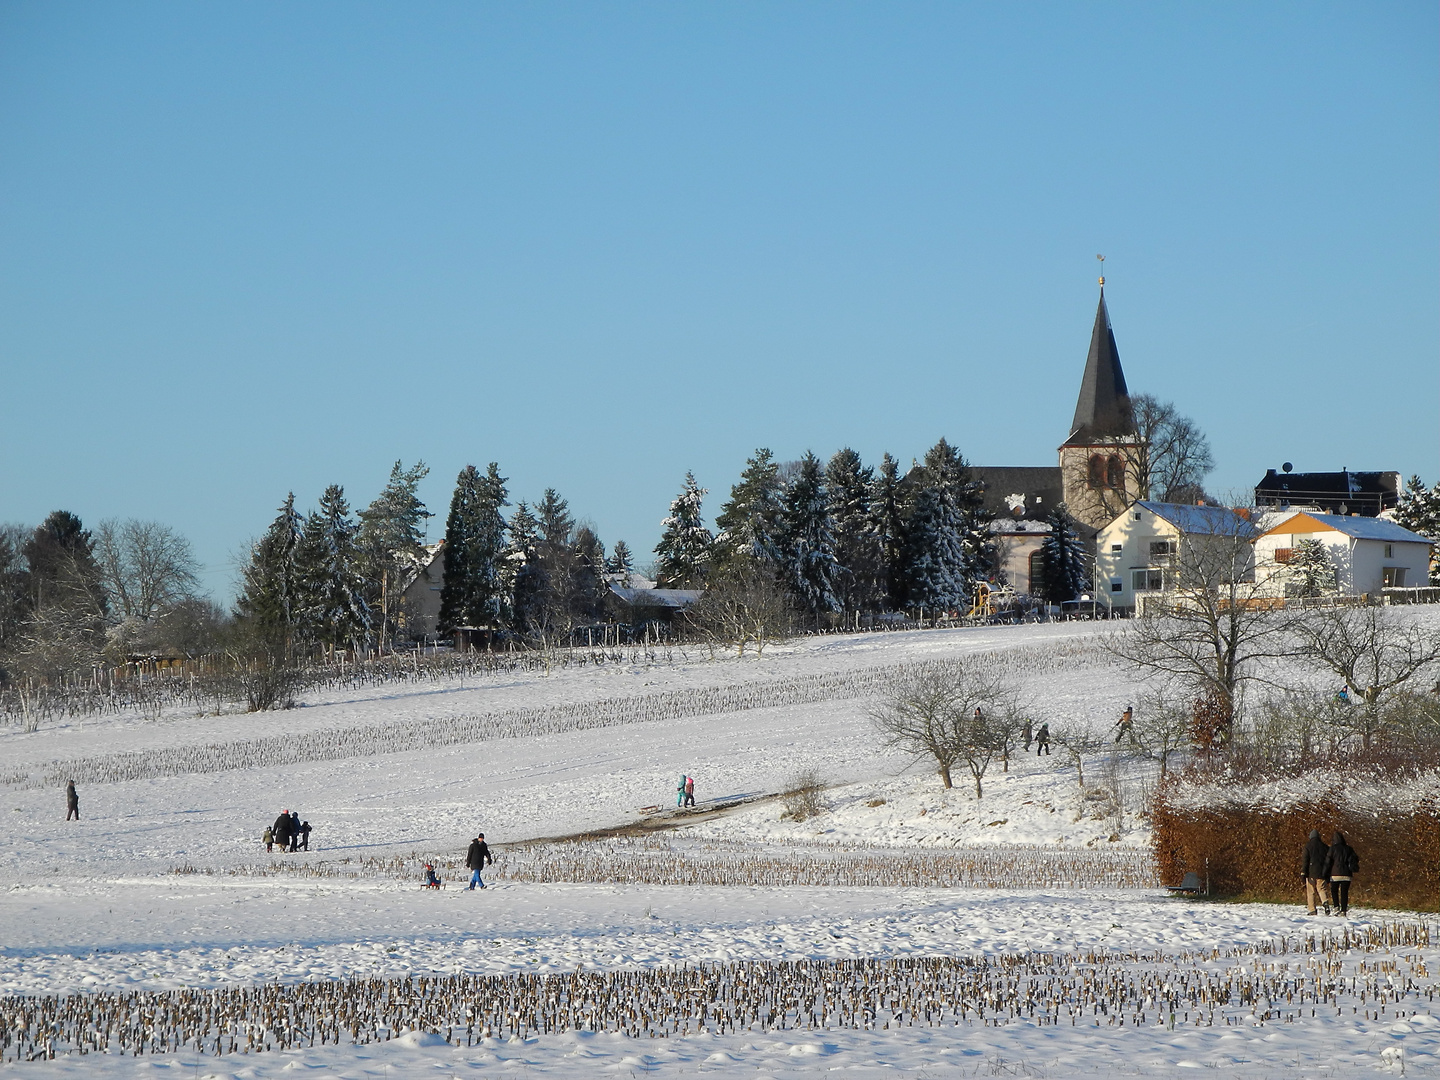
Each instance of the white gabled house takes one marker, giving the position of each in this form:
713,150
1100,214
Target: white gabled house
1136,554
1369,554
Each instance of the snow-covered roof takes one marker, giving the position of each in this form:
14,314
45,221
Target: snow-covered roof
1362,528
666,598
1018,526
1202,520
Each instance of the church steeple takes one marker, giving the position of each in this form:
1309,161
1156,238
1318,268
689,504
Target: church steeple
1104,404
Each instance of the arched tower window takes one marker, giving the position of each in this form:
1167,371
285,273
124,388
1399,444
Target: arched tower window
1097,471
1115,474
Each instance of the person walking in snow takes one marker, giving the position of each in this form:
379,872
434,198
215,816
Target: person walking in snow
689,791
269,838
1027,734
1042,741
294,831
1313,857
1124,724
680,792
475,860
281,830
1341,862
72,801
304,836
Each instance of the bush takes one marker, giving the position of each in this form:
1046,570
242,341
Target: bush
802,797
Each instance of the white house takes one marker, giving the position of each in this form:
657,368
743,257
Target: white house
1369,554
1136,553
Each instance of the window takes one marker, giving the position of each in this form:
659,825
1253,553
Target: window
1037,569
1097,471
1284,555
1115,474
1161,550
1137,515
1389,551
1117,547
1117,585
1147,580
1393,577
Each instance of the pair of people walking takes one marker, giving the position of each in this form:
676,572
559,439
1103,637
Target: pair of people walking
289,832
1327,872
685,791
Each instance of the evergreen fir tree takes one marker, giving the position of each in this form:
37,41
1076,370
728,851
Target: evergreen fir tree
946,466
392,543
937,570
587,599
1311,571
887,518
474,592
556,524
858,546
336,612
620,565
1065,564
271,593
749,523
685,549
1419,511
807,553
527,577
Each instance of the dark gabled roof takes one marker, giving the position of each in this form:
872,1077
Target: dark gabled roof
1042,487
1103,408
1365,493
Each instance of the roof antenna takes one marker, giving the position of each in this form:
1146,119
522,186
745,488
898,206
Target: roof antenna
1102,272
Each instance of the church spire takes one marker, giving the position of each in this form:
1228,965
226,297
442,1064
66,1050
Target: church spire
1104,404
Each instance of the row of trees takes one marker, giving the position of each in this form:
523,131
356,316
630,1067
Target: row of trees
71,597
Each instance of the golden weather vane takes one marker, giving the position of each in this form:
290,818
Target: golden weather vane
1102,270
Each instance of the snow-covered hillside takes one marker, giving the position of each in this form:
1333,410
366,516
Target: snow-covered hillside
394,775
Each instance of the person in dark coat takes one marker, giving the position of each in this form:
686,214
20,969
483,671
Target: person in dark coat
1312,870
304,836
281,829
294,831
72,801
1341,862
475,860
1042,740
1027,734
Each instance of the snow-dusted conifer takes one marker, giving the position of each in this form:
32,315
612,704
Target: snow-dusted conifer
620,565
749,523
887,519
474,592
807,551
858,549
270,598
1311,571
526,575
337,614
1065,564
682,557
946,546
392,543
1419,511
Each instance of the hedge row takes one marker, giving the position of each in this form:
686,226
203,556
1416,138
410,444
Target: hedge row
1252,852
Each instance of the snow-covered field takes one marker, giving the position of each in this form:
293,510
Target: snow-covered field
97,906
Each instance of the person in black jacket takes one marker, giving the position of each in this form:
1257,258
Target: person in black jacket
281,830
475,860
294,831
1312,869
1341,862
72,801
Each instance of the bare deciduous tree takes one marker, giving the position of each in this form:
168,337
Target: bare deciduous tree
744,603
1161,728
1206,632
1373,649
1172,455
145,566
951,715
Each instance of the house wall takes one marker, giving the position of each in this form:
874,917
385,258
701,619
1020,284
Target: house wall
1123,547
1013,552
1359,564
421,601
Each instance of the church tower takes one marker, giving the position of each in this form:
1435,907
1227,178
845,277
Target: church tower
1097,459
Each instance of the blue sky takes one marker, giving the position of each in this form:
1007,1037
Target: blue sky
247,249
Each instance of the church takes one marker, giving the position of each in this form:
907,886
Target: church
1094,476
